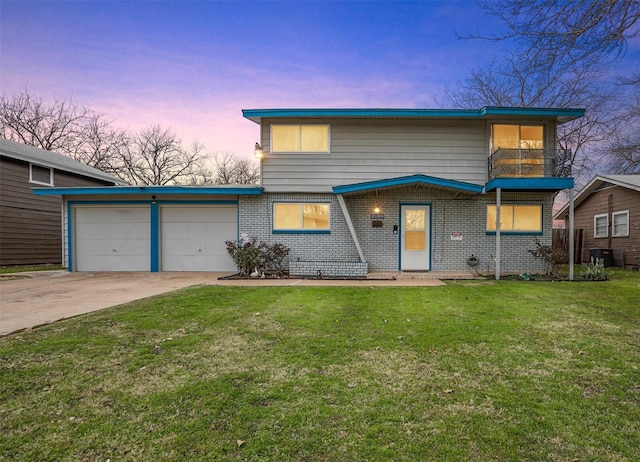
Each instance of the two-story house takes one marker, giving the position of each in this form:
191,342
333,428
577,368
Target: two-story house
350,191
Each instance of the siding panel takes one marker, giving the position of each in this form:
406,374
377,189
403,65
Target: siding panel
366,150
30,225
598,203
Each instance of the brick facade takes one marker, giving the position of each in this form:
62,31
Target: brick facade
450,213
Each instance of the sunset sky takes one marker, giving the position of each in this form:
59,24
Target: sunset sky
193,66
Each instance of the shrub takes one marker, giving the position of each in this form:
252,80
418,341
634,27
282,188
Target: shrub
551,256
245,255
249,256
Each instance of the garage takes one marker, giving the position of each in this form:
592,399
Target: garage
112,238
192,237
150,228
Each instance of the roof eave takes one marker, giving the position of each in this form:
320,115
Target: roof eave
140,190
561,115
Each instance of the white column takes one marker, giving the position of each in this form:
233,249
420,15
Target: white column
352,230
571,231
498,199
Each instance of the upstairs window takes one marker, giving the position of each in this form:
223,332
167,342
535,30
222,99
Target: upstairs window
518,150
302,217
40,175
517,137
300,138
620,224
601,225
515,218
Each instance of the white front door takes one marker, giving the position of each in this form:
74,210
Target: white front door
415,237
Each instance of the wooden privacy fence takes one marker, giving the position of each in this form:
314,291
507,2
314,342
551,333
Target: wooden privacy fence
560,241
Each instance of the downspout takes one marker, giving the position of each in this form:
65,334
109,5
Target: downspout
498,199
352,230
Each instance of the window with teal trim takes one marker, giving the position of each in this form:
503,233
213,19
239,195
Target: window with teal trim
298,216
515,218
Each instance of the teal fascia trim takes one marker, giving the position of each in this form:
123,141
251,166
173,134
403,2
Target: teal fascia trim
300,231
530,184
140,190
562,115
406,180
515,233
155,237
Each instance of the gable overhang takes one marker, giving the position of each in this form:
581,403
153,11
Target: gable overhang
425,180
146,190
530,184
561,115
631,182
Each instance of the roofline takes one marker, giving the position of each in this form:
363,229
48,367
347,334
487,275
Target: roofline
140,190
562,115
406,180
54,160
589,188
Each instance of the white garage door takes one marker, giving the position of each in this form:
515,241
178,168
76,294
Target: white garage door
193,237
112,238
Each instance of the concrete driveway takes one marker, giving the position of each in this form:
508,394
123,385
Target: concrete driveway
37,298
48,296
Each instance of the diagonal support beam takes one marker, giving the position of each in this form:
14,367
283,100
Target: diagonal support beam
352,230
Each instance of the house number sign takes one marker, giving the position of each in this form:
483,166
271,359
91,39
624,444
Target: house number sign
377,216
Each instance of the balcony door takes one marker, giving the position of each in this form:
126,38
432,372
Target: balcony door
415,238
518,150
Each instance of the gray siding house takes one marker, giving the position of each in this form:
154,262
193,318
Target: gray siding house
30,231
407,190
351,192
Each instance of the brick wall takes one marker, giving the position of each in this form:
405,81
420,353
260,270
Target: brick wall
465,214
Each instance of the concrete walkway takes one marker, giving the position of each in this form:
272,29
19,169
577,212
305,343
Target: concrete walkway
36,298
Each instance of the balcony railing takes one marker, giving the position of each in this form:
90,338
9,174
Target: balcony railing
530,163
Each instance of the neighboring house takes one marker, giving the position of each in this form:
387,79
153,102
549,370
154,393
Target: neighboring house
30,226
608,211
350,191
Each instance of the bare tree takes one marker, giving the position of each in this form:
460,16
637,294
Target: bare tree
155,156
54,127
560,60
233,169
62,127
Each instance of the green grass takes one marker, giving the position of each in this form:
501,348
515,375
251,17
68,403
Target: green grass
22,268
476,370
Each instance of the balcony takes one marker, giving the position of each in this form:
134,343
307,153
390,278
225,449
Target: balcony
530,163
530,169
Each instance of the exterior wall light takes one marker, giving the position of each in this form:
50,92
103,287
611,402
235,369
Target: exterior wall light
258,152
376,209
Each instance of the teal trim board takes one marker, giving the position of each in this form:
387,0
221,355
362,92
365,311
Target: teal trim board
406,180
530,184
145,190
155,237
560,114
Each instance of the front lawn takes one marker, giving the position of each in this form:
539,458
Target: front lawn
473,371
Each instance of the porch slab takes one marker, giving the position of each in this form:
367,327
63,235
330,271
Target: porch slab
404,275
